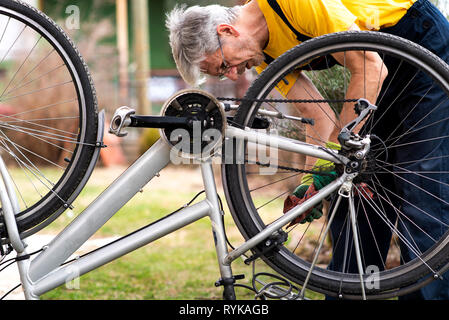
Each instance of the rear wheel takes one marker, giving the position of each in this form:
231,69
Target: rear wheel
48,115
400,197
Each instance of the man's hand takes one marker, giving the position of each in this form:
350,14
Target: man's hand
304,192
310,185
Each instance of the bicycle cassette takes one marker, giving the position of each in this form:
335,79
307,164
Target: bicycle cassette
206,123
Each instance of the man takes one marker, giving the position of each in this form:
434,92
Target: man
222,41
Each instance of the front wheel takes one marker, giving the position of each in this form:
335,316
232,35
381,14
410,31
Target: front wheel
48,115
400,195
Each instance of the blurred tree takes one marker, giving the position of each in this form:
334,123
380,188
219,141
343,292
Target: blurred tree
95,37
88,11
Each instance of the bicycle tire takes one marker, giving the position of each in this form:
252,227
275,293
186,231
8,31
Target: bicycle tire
393,282
69,128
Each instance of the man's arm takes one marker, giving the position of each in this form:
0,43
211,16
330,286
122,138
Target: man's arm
322,113
368,73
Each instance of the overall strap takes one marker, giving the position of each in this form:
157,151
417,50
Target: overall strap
275,6
317,64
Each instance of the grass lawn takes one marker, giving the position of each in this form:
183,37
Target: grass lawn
182,265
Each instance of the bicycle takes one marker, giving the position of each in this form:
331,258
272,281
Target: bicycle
194,126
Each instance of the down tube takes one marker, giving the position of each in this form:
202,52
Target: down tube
101,210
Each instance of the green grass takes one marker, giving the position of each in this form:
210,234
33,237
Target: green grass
182,265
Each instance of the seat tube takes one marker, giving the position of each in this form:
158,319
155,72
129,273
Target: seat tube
218,230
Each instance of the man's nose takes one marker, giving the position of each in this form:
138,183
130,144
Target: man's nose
232,74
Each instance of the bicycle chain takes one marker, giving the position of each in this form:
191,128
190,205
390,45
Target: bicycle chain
290,169
288,100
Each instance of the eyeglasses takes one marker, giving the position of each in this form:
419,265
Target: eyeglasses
224,67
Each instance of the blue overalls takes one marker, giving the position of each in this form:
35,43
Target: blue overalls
409,91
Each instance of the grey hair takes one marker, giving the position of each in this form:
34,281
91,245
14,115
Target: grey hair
193,34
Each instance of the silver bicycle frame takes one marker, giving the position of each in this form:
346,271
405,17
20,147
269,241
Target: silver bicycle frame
46,271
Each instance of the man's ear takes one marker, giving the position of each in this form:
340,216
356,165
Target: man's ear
227,30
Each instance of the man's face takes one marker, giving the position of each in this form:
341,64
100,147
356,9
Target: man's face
233,58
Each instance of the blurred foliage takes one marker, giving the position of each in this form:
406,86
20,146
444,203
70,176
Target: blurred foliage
89,10
147,139
331,83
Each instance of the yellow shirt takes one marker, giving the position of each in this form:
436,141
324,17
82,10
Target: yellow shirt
313,18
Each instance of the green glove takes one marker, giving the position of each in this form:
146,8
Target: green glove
321,166
319,181
316,212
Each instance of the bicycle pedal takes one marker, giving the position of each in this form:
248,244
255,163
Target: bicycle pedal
229,281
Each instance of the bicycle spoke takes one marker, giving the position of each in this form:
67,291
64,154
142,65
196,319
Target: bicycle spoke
42,133
35,79
412,130
275,198
329,116
413,205
380,224
355,237
37,91
32,152
274,182
395,230
372,233
33,123
409,113
36,109
30,167
416,173
390,82
41,138
384,209
21,65
33,69
15,41
315,258
394,101
399,215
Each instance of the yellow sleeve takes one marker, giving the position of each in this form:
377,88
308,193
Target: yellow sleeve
318,17
312,18
284,86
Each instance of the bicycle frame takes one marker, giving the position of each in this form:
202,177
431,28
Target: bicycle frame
46,272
